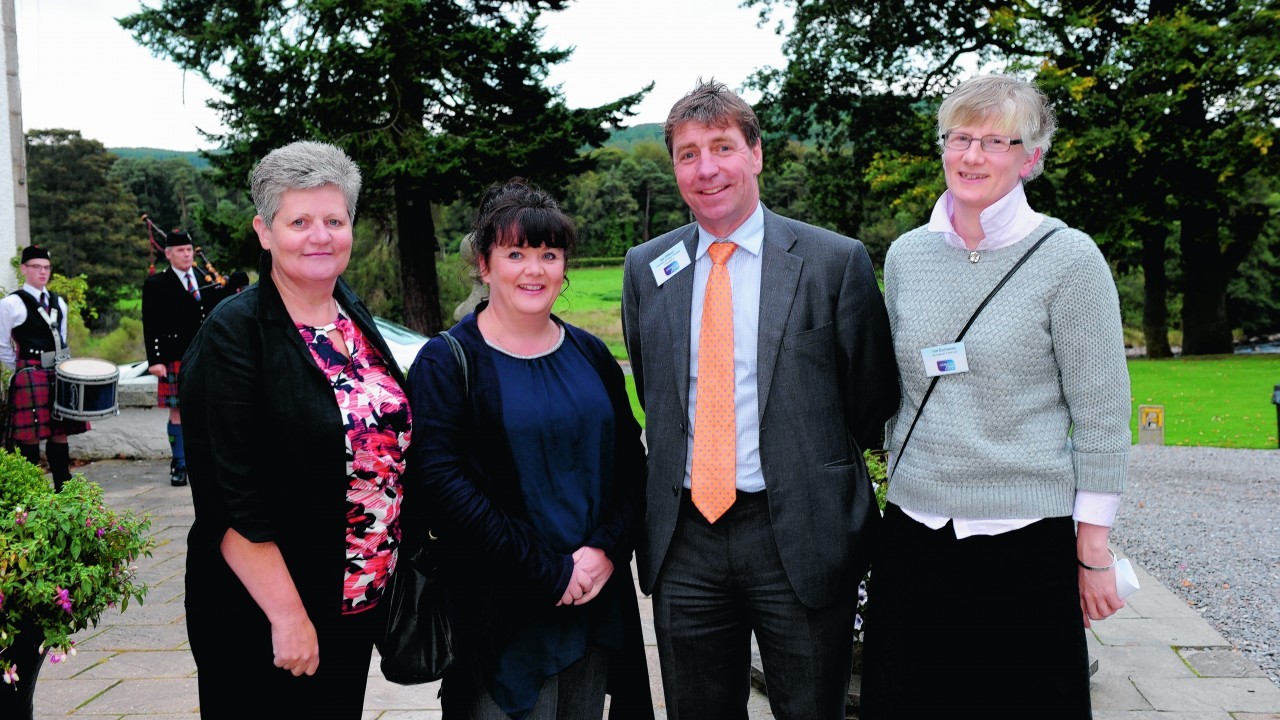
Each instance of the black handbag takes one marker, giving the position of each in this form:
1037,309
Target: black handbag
417,646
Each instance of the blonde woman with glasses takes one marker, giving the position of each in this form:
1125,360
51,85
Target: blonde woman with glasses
1009,449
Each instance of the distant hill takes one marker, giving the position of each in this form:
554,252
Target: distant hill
192,157
626,138
623,139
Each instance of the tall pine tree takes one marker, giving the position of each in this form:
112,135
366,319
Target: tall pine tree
434,99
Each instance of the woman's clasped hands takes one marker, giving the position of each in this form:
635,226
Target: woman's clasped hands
591,570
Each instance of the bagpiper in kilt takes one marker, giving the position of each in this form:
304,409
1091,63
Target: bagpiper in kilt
174,306
32,332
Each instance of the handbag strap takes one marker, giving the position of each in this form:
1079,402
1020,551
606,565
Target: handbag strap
960,337
456,347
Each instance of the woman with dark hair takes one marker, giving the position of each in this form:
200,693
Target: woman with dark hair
534,484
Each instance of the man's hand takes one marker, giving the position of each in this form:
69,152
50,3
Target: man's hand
158,370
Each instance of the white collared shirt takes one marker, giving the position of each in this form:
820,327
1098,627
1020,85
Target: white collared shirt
13,312
182,277
744,278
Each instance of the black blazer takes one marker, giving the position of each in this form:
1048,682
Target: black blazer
171,316
266,452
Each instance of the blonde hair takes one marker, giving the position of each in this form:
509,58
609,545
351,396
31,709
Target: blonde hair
1015,105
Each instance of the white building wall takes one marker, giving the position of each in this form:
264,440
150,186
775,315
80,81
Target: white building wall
15,228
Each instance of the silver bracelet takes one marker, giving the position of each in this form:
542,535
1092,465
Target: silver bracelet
1104,568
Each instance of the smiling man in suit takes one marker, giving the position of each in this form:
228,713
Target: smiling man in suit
761,353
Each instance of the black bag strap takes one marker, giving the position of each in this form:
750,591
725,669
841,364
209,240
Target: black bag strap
456,347
960,337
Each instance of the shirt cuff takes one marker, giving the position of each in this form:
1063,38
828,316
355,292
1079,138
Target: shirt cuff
1096,508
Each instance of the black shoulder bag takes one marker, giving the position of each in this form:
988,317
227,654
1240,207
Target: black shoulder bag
417,646
960,337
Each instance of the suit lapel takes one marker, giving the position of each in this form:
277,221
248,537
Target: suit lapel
779,277
677,296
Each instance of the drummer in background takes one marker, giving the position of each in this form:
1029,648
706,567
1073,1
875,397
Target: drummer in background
33,327
174,306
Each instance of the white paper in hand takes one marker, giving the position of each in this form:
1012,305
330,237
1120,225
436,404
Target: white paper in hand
1126,580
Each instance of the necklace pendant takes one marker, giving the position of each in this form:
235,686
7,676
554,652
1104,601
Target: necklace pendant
974,256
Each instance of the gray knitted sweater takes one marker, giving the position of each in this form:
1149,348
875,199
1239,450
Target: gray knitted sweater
1044,408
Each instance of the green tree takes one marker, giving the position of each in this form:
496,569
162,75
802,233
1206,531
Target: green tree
87,221
434,100
175,194
603,206
1166,111
647,171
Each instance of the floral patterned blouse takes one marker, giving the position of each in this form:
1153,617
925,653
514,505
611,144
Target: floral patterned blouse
376,414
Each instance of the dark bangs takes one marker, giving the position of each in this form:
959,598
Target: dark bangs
526,217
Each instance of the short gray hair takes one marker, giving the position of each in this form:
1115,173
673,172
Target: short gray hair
1015,105
303,165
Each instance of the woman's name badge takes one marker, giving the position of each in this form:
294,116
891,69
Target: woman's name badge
945,359
669,263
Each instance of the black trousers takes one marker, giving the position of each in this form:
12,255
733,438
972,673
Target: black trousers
985,627
720,583
238,678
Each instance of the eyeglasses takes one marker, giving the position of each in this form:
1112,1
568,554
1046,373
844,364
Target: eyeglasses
38,268
990,143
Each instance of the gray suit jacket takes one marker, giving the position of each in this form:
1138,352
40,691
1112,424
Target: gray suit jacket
827,382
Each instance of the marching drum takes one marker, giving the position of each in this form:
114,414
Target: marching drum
86,389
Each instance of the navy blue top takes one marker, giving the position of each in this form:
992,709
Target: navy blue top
540,457
560,428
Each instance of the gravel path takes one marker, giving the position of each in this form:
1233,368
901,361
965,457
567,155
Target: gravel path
1206,522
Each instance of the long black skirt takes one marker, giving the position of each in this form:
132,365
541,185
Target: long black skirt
987,626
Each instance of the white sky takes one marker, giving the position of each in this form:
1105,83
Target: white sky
80,70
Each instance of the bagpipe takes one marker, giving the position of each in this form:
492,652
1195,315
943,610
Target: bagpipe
210,273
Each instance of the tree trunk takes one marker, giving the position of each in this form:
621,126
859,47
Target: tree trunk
1155,292
648,204
1210,259
1205,329
416,241
17,701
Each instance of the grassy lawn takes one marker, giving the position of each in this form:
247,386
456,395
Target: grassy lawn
593,302
1216,400
1213,400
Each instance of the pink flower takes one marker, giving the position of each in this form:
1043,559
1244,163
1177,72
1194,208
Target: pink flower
64,600
11,675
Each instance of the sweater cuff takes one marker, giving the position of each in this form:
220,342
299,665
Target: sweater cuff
1101,472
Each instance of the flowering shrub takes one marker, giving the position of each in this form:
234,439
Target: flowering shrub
65,558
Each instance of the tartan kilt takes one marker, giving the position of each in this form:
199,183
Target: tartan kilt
167,387
31,398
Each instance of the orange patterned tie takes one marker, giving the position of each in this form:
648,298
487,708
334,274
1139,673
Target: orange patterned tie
715,455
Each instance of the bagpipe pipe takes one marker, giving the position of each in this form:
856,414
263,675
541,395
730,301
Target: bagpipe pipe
209,273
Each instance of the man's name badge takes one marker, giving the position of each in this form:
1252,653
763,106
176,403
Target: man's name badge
945,359
669,263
